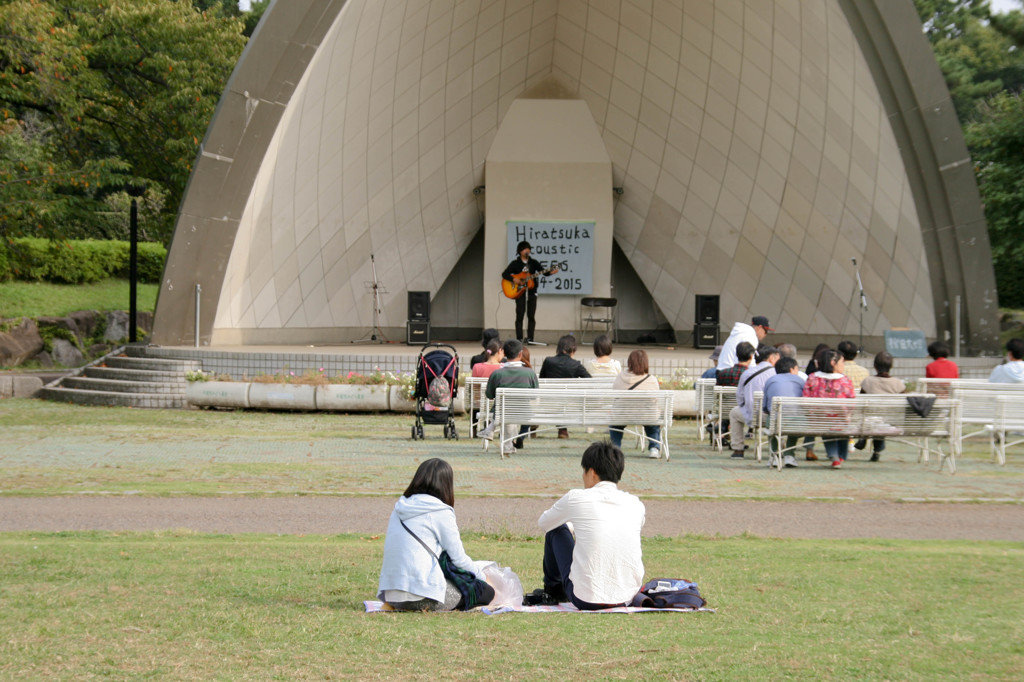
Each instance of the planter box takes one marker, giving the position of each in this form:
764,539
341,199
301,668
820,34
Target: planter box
352,398
282,397
684,403
217,394
397,403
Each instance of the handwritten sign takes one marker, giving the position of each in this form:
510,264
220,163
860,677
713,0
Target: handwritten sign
906,343
568,245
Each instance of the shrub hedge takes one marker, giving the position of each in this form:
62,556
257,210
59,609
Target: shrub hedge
77,261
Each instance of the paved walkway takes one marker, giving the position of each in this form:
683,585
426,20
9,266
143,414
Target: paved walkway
368,515
326,473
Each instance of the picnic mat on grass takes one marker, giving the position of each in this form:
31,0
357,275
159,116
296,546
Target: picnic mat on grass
378,607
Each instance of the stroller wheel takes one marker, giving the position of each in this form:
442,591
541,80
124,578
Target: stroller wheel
447,433
414,432
419,432
455,434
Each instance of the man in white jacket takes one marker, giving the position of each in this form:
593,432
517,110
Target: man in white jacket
602,565
751,333
1011,371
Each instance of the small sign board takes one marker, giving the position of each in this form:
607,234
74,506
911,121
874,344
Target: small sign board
566,244
906,343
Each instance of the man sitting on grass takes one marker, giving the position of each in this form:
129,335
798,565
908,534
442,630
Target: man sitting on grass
514,374
602,566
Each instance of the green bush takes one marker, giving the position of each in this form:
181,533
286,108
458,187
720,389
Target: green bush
79,261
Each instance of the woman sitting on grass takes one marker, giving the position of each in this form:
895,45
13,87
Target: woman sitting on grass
411,578
830,382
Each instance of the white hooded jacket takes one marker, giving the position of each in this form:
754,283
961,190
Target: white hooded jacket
407,565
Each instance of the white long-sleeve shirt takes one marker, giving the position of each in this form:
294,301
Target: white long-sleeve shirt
607,563
741,331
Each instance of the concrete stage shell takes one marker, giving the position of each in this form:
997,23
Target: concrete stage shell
760,144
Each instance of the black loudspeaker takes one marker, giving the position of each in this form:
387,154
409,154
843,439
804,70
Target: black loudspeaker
706,310
705,335
417,332
419,305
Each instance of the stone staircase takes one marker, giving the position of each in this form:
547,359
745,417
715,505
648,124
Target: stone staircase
127,378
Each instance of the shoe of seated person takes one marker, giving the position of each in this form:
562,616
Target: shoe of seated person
737,454
563,433
837,463
488,433
811,457
654,453
540,597
789,461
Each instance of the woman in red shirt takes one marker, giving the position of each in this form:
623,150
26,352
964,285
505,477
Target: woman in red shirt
830,382
943,367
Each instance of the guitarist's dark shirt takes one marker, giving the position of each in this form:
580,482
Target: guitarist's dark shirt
517,267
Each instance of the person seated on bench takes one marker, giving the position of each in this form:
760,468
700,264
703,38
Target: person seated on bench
636,378
742,416
602,566
512,375
851,369
880,384
495,358
603,362
1011,371
411,578
830,382
564,365
785,382
941,367
731,375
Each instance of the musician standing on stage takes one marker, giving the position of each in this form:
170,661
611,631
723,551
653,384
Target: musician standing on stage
527,302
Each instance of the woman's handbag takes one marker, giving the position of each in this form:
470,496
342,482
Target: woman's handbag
470,587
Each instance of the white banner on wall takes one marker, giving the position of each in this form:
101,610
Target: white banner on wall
567,244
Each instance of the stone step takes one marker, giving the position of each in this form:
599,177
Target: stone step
119,374
118,386
152,364
142,400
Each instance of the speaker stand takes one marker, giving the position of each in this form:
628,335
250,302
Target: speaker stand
377,288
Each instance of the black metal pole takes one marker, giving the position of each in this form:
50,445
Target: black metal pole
133,272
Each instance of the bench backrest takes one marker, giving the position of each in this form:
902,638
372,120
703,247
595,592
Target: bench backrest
704,397
942,387
539,406
1009,413
875,415
978,405
475,387
725,399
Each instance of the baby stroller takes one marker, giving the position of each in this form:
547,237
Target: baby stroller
437,385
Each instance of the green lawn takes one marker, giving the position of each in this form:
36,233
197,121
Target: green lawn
38,299
182,605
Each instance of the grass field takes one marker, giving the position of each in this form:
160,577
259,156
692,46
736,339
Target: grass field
37,299
185,606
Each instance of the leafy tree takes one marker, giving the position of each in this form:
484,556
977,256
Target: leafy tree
98,93
977,51
996,139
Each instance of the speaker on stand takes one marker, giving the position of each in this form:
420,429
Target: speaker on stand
705,330
417,327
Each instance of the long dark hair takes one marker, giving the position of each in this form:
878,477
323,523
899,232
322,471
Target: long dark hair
815,363
828,359
433,477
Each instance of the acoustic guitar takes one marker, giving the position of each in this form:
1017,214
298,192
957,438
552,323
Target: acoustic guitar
522,282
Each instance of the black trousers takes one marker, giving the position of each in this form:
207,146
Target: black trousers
526,305
558,546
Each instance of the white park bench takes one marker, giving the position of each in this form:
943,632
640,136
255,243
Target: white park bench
476,400
704,400
552,409
1007,422
725,400
869,416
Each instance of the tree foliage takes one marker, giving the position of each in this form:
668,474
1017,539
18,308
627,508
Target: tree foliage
982,59
100,94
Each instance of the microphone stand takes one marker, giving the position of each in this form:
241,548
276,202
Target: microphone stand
377,288
863,302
